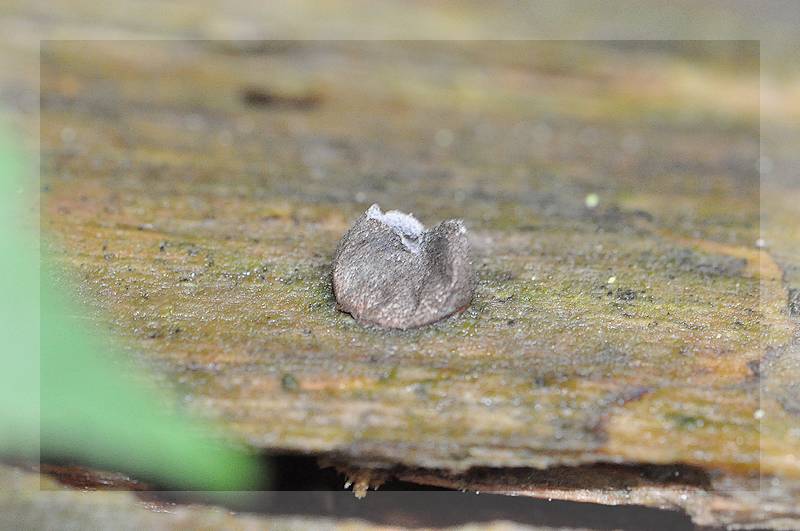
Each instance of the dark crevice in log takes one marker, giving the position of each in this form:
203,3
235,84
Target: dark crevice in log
299,486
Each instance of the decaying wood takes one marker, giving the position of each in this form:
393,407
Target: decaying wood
643,326
32,501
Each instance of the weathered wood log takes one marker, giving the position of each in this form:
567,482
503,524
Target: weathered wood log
625,310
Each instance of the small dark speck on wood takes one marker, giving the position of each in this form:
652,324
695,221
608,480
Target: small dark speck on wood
390,272
257,97
794,302
289,382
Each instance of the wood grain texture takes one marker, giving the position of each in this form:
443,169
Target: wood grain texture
205,229
195,192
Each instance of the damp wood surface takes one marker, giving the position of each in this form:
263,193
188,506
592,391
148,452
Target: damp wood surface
194,192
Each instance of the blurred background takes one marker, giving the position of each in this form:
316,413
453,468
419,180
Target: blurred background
198,162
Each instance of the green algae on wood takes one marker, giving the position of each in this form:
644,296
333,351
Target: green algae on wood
550,365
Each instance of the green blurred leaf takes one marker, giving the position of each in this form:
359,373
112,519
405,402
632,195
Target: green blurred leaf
90,407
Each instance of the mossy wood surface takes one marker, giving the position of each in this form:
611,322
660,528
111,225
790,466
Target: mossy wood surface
195,192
